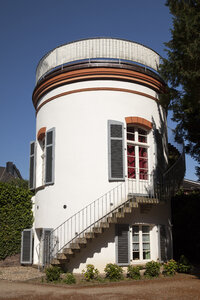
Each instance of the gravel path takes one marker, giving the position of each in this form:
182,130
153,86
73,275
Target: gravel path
19,273
183,287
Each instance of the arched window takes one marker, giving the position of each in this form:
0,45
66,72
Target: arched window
137,152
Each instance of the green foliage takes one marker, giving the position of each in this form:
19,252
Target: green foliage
184,265
181,70
91,273
186,224
15,215
52,273
152,269
113,272
69,279
170,268
133,272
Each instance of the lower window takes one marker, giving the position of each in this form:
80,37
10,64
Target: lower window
141,242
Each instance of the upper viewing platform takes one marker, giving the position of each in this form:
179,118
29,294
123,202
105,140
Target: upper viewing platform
97,48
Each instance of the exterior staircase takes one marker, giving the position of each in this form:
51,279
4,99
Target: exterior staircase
71,236
99,227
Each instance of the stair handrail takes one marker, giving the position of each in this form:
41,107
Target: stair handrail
98,211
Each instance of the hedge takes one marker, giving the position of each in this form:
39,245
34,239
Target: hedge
15,215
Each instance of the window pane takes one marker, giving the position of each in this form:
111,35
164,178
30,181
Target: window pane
130,133
145,237
146,246
136,255
145,229
142,136
135,247
136,238
135,229
146,255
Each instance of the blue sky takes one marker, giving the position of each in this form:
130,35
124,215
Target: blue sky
30,28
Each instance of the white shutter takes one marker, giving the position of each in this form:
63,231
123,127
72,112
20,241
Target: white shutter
49,156
32,165
116,151
26,246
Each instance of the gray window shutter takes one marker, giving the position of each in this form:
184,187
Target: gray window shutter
163,243
26,246
50,156
116,151
122,244
32,165
47,246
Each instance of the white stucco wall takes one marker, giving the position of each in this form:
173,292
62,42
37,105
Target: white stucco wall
81,144
81,156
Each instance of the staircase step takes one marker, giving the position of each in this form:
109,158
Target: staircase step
89,235
68,251
112,220
62,256
97,229
127,209
133,204
74,246
146,200
81,241
104,225
118,214
55,262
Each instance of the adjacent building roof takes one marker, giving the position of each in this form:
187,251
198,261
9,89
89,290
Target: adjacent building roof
190,185
9,172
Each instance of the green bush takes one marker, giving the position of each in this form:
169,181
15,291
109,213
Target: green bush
15,215
170,268
184,265
52,273
113,272
91,273
69,279
133,272
152,269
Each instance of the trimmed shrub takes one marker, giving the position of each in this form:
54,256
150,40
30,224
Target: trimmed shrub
113,272
133,272
53,273
15,215
170,268
91,273
152,269
69,279
184,265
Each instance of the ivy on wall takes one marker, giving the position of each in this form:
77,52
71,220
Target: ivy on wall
15,215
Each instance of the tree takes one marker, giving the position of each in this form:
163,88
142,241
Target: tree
181,70
15,215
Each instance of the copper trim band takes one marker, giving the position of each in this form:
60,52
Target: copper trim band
95,74
139,121
95,89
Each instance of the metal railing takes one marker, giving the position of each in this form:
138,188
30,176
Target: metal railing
157,186
98,211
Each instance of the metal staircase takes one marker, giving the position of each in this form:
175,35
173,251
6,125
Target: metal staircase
84,226
68,238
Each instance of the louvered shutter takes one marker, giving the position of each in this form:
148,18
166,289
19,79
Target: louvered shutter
49,157
122,244
47,245
163,243
26,246
32,166
116,150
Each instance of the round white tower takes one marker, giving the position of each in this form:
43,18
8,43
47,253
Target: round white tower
99,124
